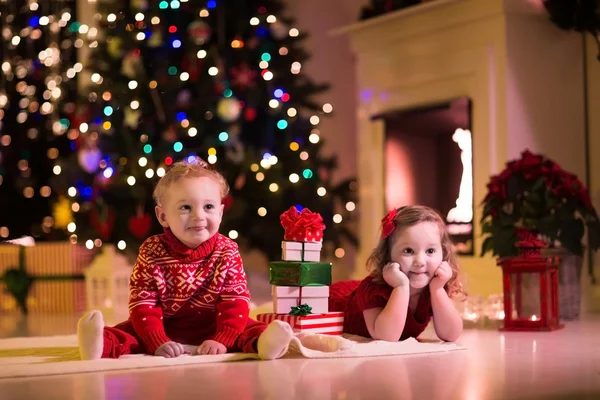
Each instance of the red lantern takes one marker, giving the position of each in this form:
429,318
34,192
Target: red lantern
530,283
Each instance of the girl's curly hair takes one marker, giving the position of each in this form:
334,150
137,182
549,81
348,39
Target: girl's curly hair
408,216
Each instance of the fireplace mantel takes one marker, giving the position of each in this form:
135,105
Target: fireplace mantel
523,75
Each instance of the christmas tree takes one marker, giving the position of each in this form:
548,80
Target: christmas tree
37,89
221,80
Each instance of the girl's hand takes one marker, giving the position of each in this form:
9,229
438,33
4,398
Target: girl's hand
442,275
393,276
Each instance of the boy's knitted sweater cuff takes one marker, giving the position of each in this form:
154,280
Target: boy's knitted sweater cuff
227,336
153,340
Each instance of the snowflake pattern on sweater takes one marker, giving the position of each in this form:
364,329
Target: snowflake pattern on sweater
177,286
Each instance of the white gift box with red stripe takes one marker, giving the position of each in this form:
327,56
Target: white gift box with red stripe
330,323
286,297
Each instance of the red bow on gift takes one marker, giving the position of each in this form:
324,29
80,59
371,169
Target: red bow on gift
304,226
387,224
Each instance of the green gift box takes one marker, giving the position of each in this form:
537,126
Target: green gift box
297,273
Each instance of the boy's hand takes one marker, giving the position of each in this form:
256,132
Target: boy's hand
211,347
170,350
442,275
393,276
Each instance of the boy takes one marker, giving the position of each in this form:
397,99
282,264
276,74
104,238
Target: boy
188,292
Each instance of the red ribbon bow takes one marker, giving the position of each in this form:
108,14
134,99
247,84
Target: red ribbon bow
387,224
302,226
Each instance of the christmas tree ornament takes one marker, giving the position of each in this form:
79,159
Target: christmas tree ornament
252,43
78,116
131,118
235,152
199,32
160,111
89,158
132,66
170,135
104,179
279,30
193,66
228,109
227,202
139,5
62,213
243,77
250,114
156,38
114,47
102,218
184,98
239,182
324,174
140,224
234,131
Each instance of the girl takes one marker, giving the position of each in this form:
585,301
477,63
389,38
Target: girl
414,274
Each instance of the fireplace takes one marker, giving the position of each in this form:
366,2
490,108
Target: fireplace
519,76
428,161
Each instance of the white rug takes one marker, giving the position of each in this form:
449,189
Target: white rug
57,355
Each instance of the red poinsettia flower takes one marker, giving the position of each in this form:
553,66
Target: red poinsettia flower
535,192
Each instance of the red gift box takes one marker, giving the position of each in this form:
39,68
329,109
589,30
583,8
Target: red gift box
331,323
303,226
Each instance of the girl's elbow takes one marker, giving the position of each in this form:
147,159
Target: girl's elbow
386,336
451,336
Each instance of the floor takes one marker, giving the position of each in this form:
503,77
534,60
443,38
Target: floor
560,365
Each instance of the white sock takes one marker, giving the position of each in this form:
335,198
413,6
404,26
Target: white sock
274,341
90,334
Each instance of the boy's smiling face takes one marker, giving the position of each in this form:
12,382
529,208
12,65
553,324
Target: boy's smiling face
192,209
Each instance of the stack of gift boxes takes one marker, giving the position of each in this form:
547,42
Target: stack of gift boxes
300,282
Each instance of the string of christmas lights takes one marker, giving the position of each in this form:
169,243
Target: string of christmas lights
37,85
171,80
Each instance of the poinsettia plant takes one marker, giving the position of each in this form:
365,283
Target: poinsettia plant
534,193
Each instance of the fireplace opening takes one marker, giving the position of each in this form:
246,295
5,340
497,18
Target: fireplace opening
428,161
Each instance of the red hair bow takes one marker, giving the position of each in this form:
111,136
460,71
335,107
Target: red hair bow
387,224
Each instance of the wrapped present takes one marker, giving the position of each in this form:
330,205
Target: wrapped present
43,278
303,226
330,323
301,251
287,297
298,273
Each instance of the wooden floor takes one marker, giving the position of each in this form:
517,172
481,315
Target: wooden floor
559,365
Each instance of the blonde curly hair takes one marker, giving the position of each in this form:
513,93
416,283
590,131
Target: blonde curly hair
408,216
189,168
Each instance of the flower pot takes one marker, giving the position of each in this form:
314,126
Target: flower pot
569,283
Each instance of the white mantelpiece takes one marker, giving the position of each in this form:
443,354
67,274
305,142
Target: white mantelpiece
522,73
